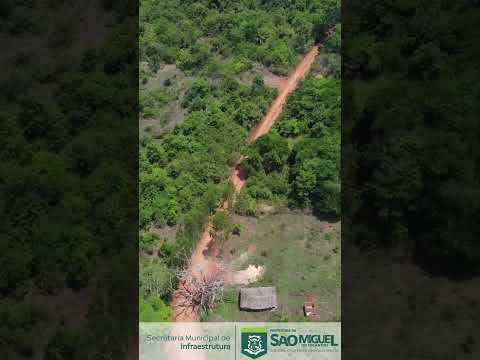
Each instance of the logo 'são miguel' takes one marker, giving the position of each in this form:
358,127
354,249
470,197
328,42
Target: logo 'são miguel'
255,340
293,340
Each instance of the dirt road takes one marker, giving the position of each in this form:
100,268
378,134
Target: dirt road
199,264
302,68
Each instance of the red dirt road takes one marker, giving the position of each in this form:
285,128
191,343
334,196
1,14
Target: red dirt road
199,263
302,68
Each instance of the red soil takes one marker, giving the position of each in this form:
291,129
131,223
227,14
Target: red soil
199,263
274,81
252,249
291,84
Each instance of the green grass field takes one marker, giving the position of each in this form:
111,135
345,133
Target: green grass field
301,255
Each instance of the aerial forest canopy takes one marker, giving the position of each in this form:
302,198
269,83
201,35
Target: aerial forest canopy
411,140
200,35
299,161
183,173
205,56
68,212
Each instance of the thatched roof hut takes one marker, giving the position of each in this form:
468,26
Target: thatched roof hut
258,299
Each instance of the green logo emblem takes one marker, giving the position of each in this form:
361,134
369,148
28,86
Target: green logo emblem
254,342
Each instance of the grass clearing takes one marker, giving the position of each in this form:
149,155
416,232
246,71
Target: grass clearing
302,257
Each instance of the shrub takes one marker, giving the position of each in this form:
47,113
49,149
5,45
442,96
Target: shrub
221,221
236,229
154,278
148,241
153,309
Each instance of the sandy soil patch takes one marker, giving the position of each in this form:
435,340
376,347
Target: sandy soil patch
244,277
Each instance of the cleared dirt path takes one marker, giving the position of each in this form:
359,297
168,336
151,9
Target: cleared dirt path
302,68
199,264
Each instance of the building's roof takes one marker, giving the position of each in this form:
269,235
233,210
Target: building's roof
260,298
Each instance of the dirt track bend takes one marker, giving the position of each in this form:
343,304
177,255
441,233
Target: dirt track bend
199,264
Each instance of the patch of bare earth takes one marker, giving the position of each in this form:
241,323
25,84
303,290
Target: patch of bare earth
165,232
171,113
272,80
230,250
247,276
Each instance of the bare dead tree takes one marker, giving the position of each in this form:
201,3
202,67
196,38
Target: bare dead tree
200,290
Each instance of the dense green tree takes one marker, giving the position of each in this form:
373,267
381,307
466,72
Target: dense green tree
316,173
268,154
313,108
306,172
194,34
411,140
153,309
